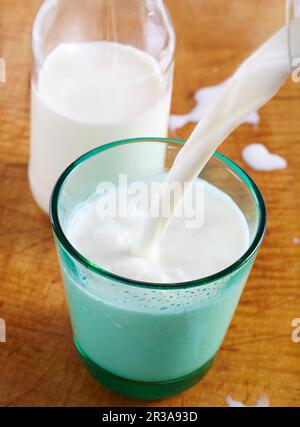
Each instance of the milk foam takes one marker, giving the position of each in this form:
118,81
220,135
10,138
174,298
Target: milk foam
183,254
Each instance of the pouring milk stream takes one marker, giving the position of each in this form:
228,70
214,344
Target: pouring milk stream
256,81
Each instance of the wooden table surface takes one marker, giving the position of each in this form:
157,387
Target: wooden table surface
38,363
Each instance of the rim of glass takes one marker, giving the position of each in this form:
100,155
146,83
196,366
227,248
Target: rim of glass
253,247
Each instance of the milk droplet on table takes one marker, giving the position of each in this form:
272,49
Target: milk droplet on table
259,158
183,254
263,402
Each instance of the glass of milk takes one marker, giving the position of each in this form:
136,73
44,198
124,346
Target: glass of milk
102,71
144,339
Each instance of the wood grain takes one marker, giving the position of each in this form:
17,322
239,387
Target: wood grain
38,362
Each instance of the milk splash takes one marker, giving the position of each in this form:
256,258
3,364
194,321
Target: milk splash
204,99
263,402
257,80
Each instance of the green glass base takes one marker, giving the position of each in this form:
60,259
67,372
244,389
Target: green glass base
142,390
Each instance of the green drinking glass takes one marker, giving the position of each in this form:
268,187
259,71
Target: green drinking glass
146,340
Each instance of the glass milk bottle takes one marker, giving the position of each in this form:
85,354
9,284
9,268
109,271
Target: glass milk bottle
102,71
